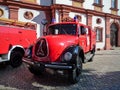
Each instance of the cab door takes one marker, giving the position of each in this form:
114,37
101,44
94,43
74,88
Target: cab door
84,39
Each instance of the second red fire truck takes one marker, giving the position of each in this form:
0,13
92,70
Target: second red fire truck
14,40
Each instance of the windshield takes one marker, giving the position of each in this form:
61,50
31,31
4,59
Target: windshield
69,29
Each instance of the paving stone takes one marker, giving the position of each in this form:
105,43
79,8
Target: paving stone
101,74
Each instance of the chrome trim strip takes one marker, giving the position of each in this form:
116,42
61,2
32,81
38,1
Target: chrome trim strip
28,61
57,66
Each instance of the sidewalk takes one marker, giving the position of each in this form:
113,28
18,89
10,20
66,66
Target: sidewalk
114,51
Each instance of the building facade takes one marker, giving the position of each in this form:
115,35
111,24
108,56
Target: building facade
102,15
32,11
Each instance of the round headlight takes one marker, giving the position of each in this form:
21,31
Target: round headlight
27,52
67,56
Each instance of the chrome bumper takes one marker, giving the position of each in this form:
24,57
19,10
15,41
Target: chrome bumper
27,61
52,66
56,66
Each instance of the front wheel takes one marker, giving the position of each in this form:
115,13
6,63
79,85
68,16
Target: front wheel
74,75
36,70
16,59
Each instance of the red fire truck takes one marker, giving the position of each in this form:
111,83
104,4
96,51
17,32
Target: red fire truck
14,40
64,48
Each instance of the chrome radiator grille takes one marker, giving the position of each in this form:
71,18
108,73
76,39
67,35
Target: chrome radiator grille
41,49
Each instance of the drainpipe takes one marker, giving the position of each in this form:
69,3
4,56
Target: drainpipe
52,2
105,31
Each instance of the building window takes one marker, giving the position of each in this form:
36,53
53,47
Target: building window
99,34
98,20
79,1
28,15
98,3
114,7
113,3
1,12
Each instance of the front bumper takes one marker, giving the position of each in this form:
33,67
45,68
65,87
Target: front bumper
61,66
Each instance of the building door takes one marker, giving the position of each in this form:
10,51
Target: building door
114,35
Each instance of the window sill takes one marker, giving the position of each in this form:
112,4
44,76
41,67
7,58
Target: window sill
98,5
115,9
81,1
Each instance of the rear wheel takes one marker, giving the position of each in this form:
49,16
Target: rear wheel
74,75
16,59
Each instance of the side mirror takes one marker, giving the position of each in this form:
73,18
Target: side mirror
44,22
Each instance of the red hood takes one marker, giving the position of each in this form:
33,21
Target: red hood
58,43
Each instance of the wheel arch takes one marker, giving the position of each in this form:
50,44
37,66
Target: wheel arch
16,48
75,49
81,53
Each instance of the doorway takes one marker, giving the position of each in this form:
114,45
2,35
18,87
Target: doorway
113,35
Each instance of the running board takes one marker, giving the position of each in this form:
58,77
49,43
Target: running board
88,57
3,60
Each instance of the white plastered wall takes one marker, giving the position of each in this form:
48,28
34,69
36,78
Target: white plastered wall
57,15
88,4
72,15
5,11
119,7
99,45
37,18
66,2
83,16
107,6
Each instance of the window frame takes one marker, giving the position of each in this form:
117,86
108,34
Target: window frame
1,12
28,15
115,8
100,4
97,1
100,37
81,1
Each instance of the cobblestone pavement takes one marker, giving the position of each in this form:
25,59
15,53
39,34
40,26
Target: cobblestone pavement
101,74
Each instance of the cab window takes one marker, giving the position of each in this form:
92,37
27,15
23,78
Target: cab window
82,30
69,29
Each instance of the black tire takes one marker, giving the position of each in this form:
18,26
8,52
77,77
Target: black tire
74,75
16,59
36,70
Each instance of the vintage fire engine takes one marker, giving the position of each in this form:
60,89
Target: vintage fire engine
64,48
14,40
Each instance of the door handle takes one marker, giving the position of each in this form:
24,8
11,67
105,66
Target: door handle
19,31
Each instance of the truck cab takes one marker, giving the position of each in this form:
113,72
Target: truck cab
65,47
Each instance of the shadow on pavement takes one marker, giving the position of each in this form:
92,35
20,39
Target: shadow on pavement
21,78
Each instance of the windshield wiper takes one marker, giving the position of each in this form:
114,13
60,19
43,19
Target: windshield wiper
64,31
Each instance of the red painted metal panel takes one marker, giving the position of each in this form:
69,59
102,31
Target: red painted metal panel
15,36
